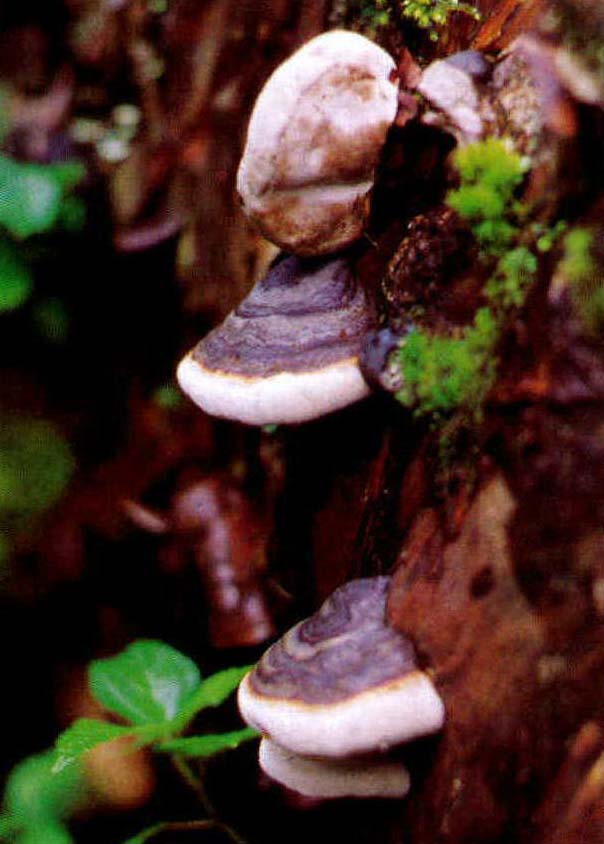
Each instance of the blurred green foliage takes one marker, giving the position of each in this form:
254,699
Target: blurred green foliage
35,199
15,278
37,801
157,691
36,463
168,397
580,267
32,195
51,319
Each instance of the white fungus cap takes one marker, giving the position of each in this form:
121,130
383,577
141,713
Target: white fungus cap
314,140
328,778
342,682
452,90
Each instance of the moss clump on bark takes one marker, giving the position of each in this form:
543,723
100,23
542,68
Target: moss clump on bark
430,15
580,266
453,374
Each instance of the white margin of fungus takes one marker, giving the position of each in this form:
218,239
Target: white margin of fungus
285,398
329,778
375,719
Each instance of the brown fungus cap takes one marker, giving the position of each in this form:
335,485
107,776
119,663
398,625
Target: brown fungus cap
314,139
332,778
289,352
342,682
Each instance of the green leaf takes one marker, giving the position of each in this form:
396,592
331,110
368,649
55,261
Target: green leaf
83,735
15,278
8,825
67,175
36,796
210,745
31,195
146,683
215,690
29,199
46,833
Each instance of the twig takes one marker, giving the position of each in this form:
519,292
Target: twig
196,785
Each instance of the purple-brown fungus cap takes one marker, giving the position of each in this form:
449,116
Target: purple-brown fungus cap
343,682
289,352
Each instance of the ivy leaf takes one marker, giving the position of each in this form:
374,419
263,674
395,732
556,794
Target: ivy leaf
83,735
210,745
215,690
46,833
34,796
147,683
15,278
8,826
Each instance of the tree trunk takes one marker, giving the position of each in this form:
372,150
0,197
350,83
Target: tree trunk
497,553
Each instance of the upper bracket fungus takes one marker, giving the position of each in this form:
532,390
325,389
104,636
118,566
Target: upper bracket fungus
289,352
341,684
314,140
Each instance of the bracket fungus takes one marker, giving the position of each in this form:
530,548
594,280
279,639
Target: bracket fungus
341,685
332,778
289,352
314,140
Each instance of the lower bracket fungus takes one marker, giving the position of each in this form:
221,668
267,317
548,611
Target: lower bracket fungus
341,685
289,352
332,778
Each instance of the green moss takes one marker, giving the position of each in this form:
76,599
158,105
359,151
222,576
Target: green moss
578,264
442,374
447,375
580,268
432,15
374,14
508,286
490,172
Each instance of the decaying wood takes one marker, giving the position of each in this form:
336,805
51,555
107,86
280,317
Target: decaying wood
498,579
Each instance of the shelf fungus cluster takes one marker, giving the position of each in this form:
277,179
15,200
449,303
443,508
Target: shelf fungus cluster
336,694
289,352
